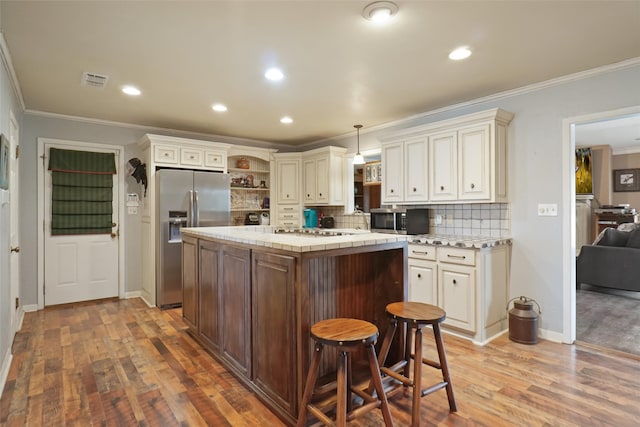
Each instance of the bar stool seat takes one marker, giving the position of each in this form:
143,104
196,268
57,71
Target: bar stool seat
416,315
347,335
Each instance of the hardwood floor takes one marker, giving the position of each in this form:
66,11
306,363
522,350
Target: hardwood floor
121,363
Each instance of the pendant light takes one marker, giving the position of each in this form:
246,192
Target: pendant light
358,159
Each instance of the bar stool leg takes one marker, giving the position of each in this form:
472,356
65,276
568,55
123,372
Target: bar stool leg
377,382
406,333
417,378
444,366
341,409
384,350
310,385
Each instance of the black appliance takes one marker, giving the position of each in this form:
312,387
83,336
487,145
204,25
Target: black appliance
400,220
327,222
252,218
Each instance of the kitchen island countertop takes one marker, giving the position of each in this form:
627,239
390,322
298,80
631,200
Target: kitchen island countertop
306,240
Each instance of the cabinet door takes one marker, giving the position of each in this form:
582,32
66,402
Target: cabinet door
288,176
214,159
274,365
189,282
208,300
457,292
191,157
443,166
309,171
165,154
423,281
236,312
474,163
392,173
416,167
323,179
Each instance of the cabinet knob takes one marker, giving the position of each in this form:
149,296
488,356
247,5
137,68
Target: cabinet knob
473,185
191,157
391,191
419,276
320,194
308,195
166,154
442,188
287,196
414,189
454,281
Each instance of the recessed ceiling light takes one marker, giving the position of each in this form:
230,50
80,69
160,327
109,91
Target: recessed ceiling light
220,108
380,11
131,90
274,74
460,53
286,120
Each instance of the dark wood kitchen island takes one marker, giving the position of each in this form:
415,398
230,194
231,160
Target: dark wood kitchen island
250,296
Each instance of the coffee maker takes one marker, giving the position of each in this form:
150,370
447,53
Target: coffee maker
310,218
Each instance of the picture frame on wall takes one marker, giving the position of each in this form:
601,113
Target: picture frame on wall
626,180
4,162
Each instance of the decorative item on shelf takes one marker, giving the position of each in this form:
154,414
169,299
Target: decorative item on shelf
248,181
265,203
242,163
263,184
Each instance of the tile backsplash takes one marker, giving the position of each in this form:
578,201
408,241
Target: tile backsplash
475,219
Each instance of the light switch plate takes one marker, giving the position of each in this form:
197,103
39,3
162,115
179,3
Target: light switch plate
547,209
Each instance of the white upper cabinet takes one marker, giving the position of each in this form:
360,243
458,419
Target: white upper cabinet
465,161
443,166
323,172
186,153
288,180
393,173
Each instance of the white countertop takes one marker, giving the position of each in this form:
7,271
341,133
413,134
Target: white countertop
261,235
473,242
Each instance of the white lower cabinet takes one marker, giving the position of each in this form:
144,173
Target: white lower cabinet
470,285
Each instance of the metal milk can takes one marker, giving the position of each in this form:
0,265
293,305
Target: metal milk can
523,320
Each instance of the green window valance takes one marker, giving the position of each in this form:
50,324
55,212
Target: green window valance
82,191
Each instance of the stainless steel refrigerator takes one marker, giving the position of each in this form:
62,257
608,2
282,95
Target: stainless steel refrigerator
185,198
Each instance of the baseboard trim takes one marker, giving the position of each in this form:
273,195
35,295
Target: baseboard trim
4,371
29,308
552,336
145,301
132,294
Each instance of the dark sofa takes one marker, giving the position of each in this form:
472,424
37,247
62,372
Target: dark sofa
613,261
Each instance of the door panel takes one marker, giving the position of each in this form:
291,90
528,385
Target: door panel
80,267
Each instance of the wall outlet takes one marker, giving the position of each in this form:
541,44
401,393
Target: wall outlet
547,209
438,219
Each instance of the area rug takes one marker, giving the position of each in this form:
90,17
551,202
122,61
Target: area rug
608,318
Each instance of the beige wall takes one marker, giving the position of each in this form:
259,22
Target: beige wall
626,161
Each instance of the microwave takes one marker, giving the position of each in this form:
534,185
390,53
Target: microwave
400,221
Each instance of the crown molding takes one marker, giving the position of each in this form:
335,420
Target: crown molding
153,129
625,150
498,96
8,65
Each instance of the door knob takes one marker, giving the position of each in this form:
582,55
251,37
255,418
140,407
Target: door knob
16,249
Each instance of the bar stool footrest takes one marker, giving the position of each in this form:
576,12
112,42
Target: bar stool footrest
433,388
396,376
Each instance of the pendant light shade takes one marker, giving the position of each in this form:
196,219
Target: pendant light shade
358,159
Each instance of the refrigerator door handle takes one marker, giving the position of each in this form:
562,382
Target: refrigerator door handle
190,211
196,213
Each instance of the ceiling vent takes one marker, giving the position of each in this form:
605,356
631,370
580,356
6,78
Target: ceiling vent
94,80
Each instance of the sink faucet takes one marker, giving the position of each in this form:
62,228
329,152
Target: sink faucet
358,211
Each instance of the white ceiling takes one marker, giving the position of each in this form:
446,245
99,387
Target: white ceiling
340,69
622,134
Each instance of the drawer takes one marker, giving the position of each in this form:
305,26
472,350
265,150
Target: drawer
191,156
215,159
165,154
457,256
426,252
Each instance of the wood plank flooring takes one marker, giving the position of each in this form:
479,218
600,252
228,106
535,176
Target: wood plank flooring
121,363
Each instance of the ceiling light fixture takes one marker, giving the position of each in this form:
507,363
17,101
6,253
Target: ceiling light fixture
286,120
460,53
220,108
274,74
131,90
380,11
358,159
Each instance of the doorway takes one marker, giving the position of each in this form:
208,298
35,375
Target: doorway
79,266
569,216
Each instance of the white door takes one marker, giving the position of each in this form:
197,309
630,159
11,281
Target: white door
14,238
79,267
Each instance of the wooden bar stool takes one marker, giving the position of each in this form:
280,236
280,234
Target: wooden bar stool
415,315
347,335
